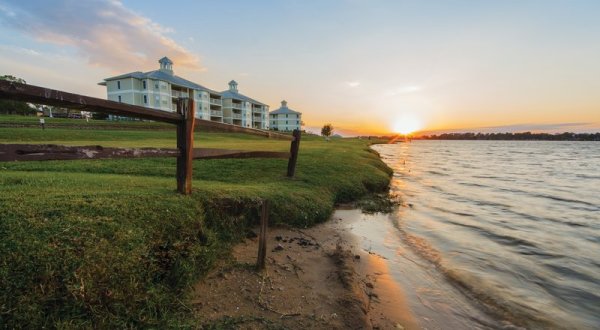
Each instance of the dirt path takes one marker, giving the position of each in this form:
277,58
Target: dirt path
314,279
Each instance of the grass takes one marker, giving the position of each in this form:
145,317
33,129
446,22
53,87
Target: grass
109,243
92,123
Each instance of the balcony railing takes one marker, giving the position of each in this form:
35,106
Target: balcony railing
237,106
236,116
216,113
216,101
178,94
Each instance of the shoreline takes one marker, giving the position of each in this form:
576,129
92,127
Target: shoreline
314,278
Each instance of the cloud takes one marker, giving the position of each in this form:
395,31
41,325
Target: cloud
19,50
6,12
403,90
353,84
105,32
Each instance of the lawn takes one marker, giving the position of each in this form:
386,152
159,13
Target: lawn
109,243
15,120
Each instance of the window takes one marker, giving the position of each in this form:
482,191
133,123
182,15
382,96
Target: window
119,98
144,84
145,99
286,122
156,86
286,115
118,84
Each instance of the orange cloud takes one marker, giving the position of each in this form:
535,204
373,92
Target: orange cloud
105,32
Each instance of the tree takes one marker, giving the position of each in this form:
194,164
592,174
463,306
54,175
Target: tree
327,130
12,78
15,107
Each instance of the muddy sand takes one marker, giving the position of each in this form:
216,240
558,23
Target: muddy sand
316,278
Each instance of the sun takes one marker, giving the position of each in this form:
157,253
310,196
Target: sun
407,124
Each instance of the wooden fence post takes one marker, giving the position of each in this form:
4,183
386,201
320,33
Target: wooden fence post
294,147
262,237
185,144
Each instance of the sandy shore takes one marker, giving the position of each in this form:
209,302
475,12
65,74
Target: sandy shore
316,278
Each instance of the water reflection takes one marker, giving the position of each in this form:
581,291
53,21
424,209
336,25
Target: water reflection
514,223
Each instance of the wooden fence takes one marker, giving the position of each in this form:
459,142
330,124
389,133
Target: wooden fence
184,119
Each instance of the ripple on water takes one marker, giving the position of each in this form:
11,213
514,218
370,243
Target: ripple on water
515,224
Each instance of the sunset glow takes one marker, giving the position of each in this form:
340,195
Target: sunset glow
407,124
511,65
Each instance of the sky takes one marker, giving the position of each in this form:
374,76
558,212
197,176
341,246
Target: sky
365,66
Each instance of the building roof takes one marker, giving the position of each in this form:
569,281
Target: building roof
164,73
161,75
238,96
284,110
233,93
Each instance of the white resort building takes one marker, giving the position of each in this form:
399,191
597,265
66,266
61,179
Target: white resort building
241,110
160,89
285,119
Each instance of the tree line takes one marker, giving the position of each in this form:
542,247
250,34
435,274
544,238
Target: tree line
566,136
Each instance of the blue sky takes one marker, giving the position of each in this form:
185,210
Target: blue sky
365,66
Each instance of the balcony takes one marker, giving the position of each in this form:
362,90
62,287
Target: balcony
237,106
216,113
215,101
178,94
236,115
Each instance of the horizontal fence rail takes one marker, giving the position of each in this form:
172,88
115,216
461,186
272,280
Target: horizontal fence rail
184,119
41,95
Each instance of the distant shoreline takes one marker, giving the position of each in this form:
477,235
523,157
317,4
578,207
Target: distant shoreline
525,136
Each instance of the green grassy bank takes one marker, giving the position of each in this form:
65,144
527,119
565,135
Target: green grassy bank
17,120
110,244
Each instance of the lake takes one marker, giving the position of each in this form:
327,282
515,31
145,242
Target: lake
513,225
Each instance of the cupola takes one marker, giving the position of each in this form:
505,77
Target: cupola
233,86
166,65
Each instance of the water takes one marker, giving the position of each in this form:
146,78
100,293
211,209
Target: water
515,225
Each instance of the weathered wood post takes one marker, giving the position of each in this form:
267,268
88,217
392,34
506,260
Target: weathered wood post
294,147
185,144
262,237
